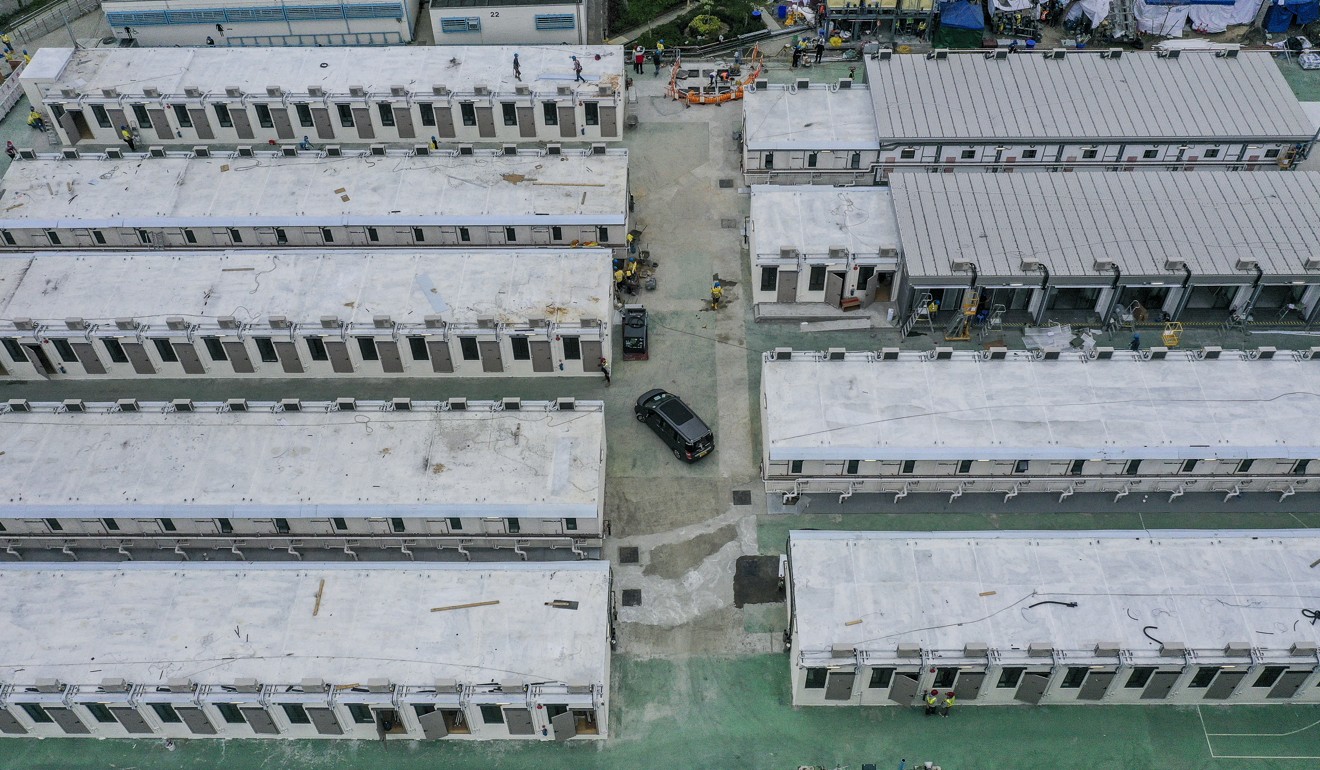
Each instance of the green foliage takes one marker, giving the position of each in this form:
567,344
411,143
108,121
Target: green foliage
705,24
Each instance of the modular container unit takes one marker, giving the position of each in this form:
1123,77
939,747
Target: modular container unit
384,652
260,22
409,94
303,314
508,22
1204,247
385,198
832,245
1012,423
1052,618
297,476
809,133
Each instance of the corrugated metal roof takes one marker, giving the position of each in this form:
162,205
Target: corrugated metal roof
1208,219
1136,96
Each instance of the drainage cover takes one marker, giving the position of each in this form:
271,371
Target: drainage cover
629,554
632,597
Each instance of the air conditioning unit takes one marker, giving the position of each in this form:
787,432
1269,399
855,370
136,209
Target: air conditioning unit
378,150
465,149
180,685
126,324
156,152
182,404
1171,53
481,90
802,83
598,149
291,404
458,404
315,91
114,684
1227,53
783,354
884,54
1211,352
27,154
313,685
566,404
329,322
553,149
522,90
1112,53
943,353
69,93
398,91
836,354
175,323
244,151
845,84
234,92
1056,53
604,89
110,93
379,685
510,149
68,153
192,92
357,91
564,90
227,322
939,54
421,149
401,404
274,91
1266,353
440,90
111,153
999,54
278,322
512,404
25,324
382,322
151,93
201,152
333,151
434,322
73,405
18,405
236,404
838,252
998,353
346,404
246,684
76,324
289,151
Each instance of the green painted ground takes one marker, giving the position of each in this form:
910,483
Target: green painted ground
721,713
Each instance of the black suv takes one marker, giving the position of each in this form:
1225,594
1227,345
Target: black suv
673,421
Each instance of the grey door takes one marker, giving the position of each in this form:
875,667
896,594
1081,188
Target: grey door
117,119
834,289
242,123
526,121
9,724
403,122
904,688
132,721
567,121
442,361
433,725
565,725
1288,684
200,124
1032,687
968,686
161,124
188,357
324,128
68,721
87,357
70,128
390,361
340,363
1096,685
839,685
486,121
324,721
1224,685
362,119
787,286
542,361
444,122
280,117
259,720
196,720
491,359
609,117
1159,685
137,356
238,357
519,722
287,352
590,355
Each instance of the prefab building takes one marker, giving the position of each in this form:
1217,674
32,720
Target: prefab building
235,23
245,199
1092,248
508,22
400,94
305,314
1052,618
833,245
386,652
292,475
809,134
1010,423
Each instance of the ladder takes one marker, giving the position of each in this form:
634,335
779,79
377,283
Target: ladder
960,328
993,322
921,312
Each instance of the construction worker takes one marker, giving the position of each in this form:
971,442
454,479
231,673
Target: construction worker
947,705
716,294
933,308
127,136
632,244
8,42
932,701
36,121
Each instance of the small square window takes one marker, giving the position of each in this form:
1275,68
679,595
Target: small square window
1271,153
1150,154
550,112
908,153
427,112
417,346
468,111
361,713
266,349
468,346
1212,152
593,113
386,114
1029,153
345,115
166,351
510,113
968,154
816,678
65,350
263,116
367,346
222,115
491,714
304,115
296,713
215,349
1088,154
522,349
316,349
116,351
181,115
572,349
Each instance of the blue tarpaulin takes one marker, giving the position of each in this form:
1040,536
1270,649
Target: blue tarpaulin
1284,15
961,14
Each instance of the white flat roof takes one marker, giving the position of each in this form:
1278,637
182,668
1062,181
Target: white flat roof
488,189
944,590
967,98
812,219
215,623
529,463
376,69
1210,220
512,286
1022,409
775,118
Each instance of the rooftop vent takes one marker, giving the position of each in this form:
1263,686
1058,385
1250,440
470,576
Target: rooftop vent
1112,53
398,91
357,91
234,92
939,54
315,91
192,92
1171,53
1056,53
481,90
151,93
272,91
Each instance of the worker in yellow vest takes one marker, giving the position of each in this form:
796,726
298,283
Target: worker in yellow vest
947,705
716,294
932,702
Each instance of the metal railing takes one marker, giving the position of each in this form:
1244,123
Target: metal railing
49,18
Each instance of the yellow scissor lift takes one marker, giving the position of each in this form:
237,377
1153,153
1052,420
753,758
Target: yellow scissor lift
961,328
1172,334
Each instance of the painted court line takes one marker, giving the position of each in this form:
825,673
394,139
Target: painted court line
1210,745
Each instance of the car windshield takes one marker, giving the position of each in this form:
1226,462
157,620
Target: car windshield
676,411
